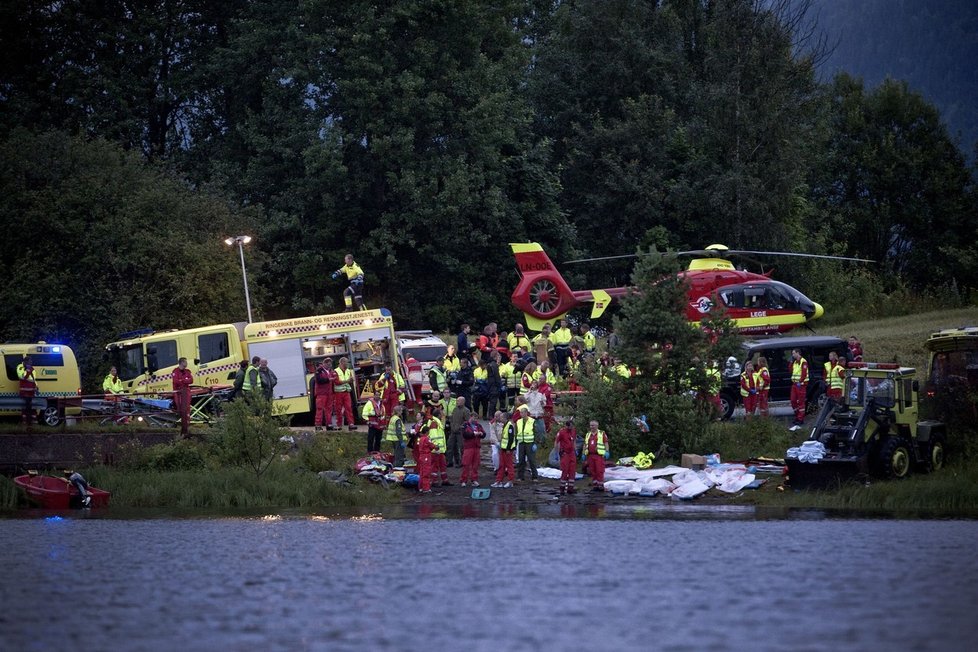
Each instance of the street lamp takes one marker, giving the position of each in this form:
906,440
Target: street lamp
241,241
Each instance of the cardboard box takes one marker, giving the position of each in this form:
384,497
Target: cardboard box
695,462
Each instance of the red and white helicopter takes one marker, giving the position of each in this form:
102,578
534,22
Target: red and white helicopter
755,302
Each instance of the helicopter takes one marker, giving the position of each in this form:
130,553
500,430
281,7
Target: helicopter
756,303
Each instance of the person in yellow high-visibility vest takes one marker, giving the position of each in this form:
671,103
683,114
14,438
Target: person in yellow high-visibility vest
344,388
525,437
594,453
561,338
112,384
354,276
396,434
436,432
835,377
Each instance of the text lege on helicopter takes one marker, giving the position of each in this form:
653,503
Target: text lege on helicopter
756,303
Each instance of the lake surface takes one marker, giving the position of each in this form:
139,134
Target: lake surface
668,579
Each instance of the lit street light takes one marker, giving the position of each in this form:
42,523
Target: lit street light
241,241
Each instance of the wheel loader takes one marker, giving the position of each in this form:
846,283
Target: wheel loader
873,431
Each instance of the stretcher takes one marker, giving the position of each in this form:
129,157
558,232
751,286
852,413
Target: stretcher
206,407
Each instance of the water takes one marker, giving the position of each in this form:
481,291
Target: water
674,580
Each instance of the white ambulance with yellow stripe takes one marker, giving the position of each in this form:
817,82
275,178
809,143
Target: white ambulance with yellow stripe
293,347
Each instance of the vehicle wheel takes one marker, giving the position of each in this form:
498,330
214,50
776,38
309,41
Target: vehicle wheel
726,406
49,416
935,455
895,458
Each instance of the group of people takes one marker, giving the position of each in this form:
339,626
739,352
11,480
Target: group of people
514,437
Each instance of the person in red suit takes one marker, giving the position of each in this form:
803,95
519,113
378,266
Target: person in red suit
324,394
566,445
472,435
799,388
182,380
424,448
595,452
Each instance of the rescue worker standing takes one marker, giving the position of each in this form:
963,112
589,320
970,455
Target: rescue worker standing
588,340
472,435
27,389
373,413
566,445
457,421
182,380
354,292
436,432
595,452
518,339
763,385
436,376
835,377
268,380
424,450
112,385
525,437
396,435
561,338
541,342
251,385
343,387
324,393
748,390
507,444
799,388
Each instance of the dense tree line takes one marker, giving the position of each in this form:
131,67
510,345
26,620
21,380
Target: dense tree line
423,135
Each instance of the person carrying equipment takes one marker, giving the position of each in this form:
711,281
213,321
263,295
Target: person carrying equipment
353,292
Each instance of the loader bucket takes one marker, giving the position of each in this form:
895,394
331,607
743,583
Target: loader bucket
827,474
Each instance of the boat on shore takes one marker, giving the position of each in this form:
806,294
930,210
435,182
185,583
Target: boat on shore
51,492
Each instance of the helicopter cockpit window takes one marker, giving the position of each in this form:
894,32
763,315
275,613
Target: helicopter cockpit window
733,296
755,298
780,297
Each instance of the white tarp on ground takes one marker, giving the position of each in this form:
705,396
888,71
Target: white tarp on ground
631,473
554,474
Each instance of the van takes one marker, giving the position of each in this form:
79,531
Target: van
424,347
293,347
814,348
56,372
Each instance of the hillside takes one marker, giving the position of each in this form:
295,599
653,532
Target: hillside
901,339
932,45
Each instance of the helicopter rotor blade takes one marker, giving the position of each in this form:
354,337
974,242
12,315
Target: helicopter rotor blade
797,255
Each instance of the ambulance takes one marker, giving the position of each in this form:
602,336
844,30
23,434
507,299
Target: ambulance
293,347
56,372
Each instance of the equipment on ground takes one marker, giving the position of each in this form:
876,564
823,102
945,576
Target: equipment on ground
874,431
755,302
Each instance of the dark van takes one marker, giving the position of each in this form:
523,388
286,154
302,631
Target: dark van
814,348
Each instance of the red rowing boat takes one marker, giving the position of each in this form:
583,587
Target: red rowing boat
57,493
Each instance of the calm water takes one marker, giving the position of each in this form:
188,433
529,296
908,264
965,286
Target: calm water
676,580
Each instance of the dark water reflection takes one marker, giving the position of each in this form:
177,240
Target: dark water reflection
689,579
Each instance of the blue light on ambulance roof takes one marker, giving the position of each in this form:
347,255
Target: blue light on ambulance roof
56,349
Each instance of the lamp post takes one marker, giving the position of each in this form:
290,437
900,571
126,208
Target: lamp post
241,241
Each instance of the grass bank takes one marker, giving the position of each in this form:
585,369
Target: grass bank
901,339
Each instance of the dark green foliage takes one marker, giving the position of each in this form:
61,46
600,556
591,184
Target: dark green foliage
423,135
181,455
249,435
98,242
